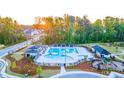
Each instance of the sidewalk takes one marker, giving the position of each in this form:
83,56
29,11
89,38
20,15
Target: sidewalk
62,70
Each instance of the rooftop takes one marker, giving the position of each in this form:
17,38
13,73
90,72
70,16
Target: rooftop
101,50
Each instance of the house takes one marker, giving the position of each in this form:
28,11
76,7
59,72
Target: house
100,51
33,51
31,32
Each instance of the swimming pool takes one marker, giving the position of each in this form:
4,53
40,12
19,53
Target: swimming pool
62,51
63,55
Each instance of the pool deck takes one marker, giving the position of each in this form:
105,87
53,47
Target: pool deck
62,71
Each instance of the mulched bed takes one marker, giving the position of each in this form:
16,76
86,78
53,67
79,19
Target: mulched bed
24,66
87,66
51,67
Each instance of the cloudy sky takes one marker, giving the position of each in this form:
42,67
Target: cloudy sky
24,11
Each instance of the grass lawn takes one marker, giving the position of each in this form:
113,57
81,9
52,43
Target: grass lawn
1,46
15,74
17,57
121,56
49,73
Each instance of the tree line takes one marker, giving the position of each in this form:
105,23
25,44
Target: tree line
76,30
10,31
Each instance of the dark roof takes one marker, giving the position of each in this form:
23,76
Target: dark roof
101,50
31,51
29,31
35,47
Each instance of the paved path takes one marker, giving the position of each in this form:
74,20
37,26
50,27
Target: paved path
3,69
62,69
119,58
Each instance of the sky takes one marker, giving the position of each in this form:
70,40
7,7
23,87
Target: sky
24,11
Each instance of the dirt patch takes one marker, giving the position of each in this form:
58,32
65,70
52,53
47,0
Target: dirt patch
51,67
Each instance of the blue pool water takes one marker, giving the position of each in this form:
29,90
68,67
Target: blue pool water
58,57
59,51
60,54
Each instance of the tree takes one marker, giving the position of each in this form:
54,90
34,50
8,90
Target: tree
39,70
85,57
13,65
10,31
97,30
76,30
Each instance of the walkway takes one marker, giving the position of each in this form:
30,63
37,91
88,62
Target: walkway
119,58
62,69
3,69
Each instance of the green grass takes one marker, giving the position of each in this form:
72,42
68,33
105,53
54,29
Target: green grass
1,46
19,54
17,57
121,56
15,74
49,73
